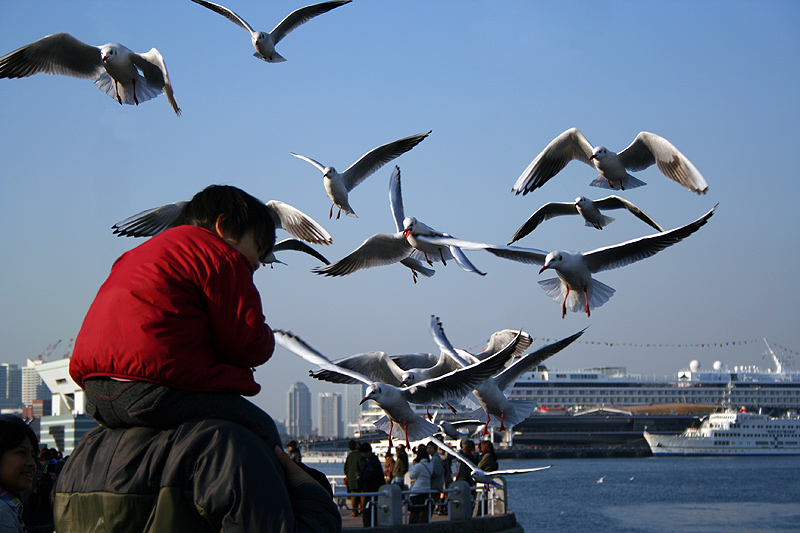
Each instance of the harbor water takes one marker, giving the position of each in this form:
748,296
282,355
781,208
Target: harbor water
654,494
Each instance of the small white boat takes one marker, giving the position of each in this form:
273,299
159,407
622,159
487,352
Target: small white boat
732,433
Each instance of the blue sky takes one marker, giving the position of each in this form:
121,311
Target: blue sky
495,81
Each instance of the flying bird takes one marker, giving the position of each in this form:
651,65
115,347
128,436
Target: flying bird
395,400
479,475
588,209
574,287
339,185
124,75
645,150
284,216
264,42
412,243
489,393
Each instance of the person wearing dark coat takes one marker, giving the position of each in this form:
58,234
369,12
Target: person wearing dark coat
370,480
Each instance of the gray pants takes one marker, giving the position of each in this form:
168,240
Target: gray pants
122,404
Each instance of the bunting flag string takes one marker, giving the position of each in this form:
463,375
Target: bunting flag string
725,344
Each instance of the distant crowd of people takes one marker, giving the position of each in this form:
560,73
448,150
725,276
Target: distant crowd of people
432,469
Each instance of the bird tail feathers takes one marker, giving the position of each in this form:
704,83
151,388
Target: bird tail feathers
599,293
629,182
600,224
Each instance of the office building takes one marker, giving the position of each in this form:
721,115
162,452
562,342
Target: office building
330,415
298,420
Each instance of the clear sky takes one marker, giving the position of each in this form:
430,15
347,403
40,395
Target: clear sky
495,81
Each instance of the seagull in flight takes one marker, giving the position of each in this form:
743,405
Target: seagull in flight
395,400
412,243
284,216
264,42
124,75
490,393
588,209
339,185
645,150
479,475
574,287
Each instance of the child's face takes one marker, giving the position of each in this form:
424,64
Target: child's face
247,246
17,467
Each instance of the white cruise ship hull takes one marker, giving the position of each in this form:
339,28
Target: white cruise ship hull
662,445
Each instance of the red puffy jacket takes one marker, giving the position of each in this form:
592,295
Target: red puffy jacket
180,310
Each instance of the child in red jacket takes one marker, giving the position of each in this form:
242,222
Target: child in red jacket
175,331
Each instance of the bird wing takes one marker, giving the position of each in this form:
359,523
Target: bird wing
308,159
463,262
628,252
297,346
511,374
455,454
377,157
457,383
437,332
227,13
615,202
495,473
648,148
59,53
297,223
396,198
149,222
299,246
546,212
415,360
376,366
155,74
378,250
523,255
568,146
300,16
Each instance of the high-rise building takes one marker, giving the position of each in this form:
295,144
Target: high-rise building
10,386
33,387
330,415
298,419
353,395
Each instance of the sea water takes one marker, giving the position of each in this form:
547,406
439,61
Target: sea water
654,494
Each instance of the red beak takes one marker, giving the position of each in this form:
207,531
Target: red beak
542,269
363,400
406,233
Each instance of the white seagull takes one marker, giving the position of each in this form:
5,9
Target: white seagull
490,393
588,209
264,42
645,150
412,243
124,75
574,286
479,475
395,400
284,216
339,185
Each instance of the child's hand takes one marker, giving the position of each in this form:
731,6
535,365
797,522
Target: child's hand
295,475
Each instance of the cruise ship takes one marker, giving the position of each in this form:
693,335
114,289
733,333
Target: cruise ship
775,390
732,433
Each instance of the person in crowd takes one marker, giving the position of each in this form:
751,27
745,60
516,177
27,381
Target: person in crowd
388,466
420,475
354,464
370,480
464,473
176,330
294,451
400,466
437,473
488,460
19,450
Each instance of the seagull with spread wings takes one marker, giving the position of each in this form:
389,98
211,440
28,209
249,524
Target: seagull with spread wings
122,74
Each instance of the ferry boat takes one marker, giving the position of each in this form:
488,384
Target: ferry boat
732,433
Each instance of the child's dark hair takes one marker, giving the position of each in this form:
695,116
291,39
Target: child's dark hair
242,212
13,430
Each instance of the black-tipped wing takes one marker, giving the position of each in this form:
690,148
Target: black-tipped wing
634,250
511,374
297,223
615,202
377,157
377,366
649,148
227,13
568,146
297,346
531,256
59,53
300,16
149,222
378,250
546,212
299,246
